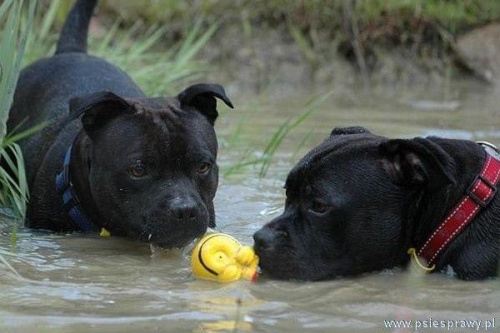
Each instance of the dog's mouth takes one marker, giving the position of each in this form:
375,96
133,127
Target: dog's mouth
280,272
168,233
280,266
172,239
286,265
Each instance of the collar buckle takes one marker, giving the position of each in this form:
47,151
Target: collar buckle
481,202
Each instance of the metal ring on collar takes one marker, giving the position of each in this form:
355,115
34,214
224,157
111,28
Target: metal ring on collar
488,144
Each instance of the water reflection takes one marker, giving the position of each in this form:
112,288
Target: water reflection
72,283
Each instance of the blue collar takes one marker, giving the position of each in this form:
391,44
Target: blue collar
71,203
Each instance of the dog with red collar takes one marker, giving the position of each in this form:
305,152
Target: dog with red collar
360,202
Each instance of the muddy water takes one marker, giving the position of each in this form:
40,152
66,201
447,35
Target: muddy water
74,283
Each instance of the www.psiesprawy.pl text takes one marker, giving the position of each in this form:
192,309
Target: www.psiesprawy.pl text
431,323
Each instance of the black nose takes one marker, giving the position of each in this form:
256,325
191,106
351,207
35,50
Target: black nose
264,239
184,210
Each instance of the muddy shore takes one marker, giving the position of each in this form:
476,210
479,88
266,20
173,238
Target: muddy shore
283,46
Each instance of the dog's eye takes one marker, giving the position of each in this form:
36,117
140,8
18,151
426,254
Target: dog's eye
138,170
319,207
204,168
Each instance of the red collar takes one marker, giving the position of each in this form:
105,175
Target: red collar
477,197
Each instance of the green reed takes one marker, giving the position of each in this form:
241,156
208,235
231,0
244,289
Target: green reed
138,50
265,159
17,18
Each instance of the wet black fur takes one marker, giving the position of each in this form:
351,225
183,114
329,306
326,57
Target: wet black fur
119,126
382,197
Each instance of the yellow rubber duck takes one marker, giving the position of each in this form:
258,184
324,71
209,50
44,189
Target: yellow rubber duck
220,257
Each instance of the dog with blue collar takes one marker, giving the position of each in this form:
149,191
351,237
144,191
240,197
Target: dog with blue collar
114,160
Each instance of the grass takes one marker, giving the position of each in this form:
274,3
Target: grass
136,50
14,189
455,16
4,261
12,47
18,20
157,72
422,30
266,157
285,128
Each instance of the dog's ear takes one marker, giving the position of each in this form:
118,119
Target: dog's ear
417,162
349,130
202,98
98,108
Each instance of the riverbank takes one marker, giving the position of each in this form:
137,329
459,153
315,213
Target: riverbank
284,45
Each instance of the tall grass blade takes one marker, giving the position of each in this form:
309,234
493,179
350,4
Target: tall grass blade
3,8
48,19
286,127
14,188
9,266
14,136
8,51
193,44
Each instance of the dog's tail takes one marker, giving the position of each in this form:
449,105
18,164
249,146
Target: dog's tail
75,30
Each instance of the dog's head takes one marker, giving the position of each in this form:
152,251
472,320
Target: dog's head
349,204
151,163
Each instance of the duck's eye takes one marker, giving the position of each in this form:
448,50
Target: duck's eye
221,257
203,168
138,170
319,207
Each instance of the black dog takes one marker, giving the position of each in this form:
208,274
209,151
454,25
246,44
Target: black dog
139,167
358,202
